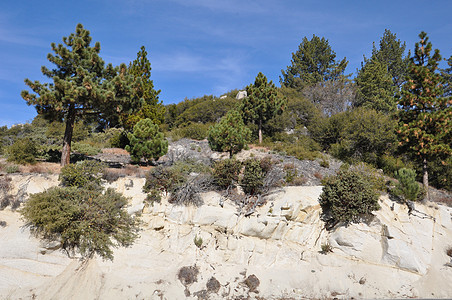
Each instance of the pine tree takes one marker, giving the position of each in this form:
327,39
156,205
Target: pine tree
391,54
262,103
375,88
151,107
447,75
313,62
425,115
146,141
230,134
82,86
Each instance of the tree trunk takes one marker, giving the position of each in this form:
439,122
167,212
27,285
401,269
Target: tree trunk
66,151
260,131
425,179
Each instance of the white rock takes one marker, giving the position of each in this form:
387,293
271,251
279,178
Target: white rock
241,95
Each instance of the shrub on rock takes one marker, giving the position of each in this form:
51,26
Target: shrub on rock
347,196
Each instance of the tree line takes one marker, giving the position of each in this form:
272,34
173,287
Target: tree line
396,111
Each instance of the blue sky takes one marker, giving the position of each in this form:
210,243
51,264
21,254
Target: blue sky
203,47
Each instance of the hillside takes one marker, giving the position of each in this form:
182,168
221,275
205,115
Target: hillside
275,253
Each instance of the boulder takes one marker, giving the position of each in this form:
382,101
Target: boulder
241,95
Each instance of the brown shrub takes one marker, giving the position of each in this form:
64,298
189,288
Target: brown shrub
318,175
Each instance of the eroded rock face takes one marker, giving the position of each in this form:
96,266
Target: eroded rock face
393,255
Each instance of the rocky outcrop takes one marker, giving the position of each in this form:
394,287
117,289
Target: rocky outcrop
241,95
274,252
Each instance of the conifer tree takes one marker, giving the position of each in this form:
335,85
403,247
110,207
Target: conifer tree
313,62
230,134
146,141
262,103
447,75
82,86
391,54
151,107
425,116
375,87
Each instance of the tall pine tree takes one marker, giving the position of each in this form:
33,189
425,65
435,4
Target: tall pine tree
262,103
313,62
425,115
151,107
82,87
375,87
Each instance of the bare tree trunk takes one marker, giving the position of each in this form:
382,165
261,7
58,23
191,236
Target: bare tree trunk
66,151
425,179
260,131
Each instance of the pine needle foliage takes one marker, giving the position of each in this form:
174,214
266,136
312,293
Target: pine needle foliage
230,134
146,142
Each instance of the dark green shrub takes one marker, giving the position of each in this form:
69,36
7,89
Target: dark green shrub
226,172
326,248
23,151
195,131
230,134
407,187
146,142
290,173
163,179
84,220
347,196
253,177
87,173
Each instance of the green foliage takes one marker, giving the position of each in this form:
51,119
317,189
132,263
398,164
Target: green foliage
375,88
303,148
313,62
298,114
84,220
146,141
347,196
85,149
194,131
84,174
326,248
11,169
151,107
82,88
359,135
407,187
23,151
425,114
230,134
226,172
119,139
253,177
262,103
198,241
391,54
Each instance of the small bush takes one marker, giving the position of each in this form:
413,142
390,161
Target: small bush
23,151
253,177
226,172
198,241
5,198
347,196
407,187
11,169
146,142
290,173
87,173
324,163
84,220
85,149
326,248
